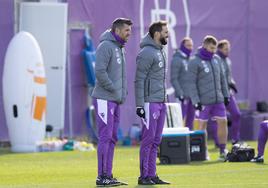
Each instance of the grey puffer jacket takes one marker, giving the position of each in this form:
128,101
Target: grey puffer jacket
150,81
227,70
179,74
110,69
207,81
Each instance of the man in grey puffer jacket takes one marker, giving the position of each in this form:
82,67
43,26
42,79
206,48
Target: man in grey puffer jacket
208,90
150,93
110,91
223,53
180,81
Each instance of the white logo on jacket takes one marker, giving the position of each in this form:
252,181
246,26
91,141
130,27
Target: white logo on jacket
206,69
117,55
185,65
159,56
119,60
160,59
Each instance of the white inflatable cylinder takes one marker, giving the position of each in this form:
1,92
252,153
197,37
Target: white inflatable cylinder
24,93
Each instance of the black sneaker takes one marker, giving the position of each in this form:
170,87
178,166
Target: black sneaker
116,180
258,159
106,181
145,181
157,180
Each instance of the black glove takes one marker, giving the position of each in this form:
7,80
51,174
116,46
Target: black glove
181,98
140,112
198,106
233,87
226,101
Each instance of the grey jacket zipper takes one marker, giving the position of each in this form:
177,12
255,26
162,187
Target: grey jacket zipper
214,80
122,67
164,81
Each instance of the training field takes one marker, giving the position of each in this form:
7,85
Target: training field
78,169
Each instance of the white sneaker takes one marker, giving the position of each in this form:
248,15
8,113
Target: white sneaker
207,156
258,159
223,156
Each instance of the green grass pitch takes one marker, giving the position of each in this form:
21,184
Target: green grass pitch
78,169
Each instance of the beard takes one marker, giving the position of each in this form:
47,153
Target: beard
125,38
163,41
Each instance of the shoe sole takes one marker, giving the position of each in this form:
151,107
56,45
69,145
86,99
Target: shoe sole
123,183
222,160
257,161
112,185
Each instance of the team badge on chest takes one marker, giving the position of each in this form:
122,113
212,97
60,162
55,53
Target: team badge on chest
118,58
206,69
160,59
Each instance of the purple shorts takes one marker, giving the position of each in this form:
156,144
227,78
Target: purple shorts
213,111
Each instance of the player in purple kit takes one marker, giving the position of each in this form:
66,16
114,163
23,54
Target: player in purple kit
208,90
262,139
110,91
150,94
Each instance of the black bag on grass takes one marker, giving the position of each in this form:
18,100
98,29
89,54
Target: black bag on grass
241,152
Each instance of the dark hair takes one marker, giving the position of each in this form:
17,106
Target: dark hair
119,22
185,39
156,27
209,39
223,42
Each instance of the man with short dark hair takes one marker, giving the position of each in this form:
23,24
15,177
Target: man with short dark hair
110,91
179,79
208,90
150,94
